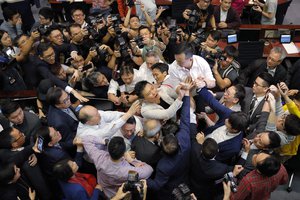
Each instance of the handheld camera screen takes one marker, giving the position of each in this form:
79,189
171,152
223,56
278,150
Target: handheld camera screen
231,38
285,38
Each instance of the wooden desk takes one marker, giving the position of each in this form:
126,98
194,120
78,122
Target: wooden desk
217,2
18,94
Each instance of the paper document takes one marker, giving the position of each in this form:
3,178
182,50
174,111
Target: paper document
290,48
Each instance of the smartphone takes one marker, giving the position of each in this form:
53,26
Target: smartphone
231,38
89,66
285,38
40,143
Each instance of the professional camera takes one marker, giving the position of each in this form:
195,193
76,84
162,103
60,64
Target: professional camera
123,47
115,18
229,178
6,60
194,18
132,184
41,29
200,37
130,3
182,192
219,56
139,41
101,53
94,19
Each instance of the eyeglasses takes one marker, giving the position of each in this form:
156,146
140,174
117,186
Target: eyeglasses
65,101
21,136
256,84
49,56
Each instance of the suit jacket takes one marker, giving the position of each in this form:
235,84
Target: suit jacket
146,151
30,125
251,72
256,113
74,191
65,124
204,173
173,170
233,19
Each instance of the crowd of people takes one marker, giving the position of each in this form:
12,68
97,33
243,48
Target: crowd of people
188,121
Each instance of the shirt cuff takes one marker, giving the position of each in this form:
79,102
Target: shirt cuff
68,89
244,155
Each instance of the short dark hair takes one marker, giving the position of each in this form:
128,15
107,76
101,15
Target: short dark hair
132,16
53,95
292,125
47,13
170,144
9,107
7,173
52,28
269,166
274,140
240,92
268,79
77,8
116,148
185,48
215,34
131,120
74,25
139,88
209,148
162,67
44,132
238,120
127,69
42,47
170,127
62,170
9,13
6,139
231,51
144,27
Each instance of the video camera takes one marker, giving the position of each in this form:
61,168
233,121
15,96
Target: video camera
229,178
133,184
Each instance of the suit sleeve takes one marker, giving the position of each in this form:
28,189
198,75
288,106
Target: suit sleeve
46,74
161,178
235,20
220,109
184,128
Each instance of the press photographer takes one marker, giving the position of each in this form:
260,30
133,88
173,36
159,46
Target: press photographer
226,68
205,11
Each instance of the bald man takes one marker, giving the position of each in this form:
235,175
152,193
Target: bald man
146,148
102,124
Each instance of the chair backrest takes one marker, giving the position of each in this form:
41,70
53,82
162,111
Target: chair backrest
249,51
281,11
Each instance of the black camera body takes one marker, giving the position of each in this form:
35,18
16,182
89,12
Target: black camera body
133,183
123,47
41,29
200,37
101,53
130,3
194,18
139,41
229,178
115,18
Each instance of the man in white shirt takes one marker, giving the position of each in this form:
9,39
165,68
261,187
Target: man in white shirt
129,130
186,64
145,69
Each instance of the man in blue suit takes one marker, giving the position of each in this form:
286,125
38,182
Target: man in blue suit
172,169
228,131
62,116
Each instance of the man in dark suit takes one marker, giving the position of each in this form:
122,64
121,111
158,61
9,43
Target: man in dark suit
146,147
172,169
24,121
206,173
272,65
254,100
12,144
228,130
62,116
226,16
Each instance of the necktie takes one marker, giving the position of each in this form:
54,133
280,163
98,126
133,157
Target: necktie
252,105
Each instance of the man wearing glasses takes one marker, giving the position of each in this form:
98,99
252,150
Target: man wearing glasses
272,65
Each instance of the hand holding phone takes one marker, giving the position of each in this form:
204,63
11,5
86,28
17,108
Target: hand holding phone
40,143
